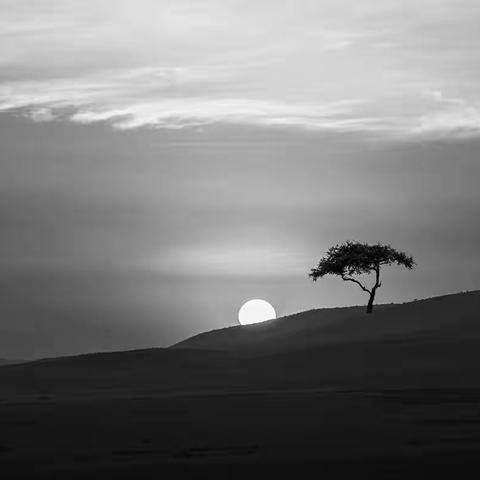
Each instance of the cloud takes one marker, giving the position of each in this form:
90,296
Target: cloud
339,66
454,117
111,98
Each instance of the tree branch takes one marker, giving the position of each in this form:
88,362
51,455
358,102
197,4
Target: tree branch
349,279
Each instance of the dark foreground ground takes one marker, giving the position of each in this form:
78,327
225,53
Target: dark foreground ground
387,434
327,392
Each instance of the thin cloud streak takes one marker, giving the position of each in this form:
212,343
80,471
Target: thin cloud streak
233,260
100,101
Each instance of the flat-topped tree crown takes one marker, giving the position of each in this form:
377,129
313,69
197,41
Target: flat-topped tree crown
355,258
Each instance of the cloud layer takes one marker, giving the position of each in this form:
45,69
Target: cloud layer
399,69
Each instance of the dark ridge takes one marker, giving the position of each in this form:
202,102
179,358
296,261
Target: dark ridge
428,343
455,314
7,361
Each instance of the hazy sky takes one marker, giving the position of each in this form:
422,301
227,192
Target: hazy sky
164,161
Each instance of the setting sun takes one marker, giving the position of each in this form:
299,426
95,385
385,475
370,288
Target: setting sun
256,311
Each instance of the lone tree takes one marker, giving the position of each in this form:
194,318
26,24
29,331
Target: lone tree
355,258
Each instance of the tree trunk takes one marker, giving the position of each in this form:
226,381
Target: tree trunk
378,284
370,301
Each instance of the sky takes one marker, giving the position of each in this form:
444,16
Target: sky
162,162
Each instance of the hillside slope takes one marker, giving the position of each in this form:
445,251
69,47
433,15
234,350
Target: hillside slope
447,317
433,343
5,361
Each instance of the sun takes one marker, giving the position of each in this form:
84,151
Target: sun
256,311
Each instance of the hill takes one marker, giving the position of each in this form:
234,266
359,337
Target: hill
5,361
447,317
334,391
432,342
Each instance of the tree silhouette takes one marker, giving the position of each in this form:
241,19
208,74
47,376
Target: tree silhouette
355,258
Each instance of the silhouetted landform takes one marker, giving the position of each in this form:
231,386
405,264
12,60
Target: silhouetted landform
5,361
335,392
436,319
428,342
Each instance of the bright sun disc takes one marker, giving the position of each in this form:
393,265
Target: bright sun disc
256,311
